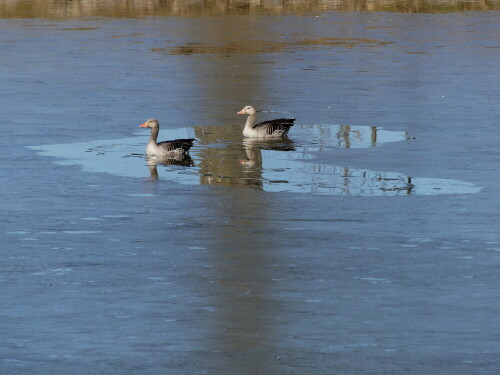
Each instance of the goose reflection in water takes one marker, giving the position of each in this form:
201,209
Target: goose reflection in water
181,160
238,163
253,149
252,167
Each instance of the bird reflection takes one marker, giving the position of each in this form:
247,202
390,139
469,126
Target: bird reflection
253,147
252,164
181,160
239,163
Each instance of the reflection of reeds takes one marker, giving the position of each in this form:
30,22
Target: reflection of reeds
253,163
144,8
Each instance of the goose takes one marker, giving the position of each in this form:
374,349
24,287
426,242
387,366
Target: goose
277,128
176,147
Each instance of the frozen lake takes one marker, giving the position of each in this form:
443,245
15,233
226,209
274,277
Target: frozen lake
367,243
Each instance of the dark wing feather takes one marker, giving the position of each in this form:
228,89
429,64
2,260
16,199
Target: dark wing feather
279,124
184,144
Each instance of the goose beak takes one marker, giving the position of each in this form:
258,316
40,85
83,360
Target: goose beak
240,112
143,125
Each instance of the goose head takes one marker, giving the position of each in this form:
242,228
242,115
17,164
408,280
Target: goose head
151,123
247,110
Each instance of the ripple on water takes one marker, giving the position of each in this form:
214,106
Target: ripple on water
374,280
81,231
221,157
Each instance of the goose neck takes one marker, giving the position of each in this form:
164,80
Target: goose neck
154,134
250,121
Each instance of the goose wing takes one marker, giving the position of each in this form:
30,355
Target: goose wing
177,144
279,124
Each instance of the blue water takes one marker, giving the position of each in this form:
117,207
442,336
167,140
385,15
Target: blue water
273,166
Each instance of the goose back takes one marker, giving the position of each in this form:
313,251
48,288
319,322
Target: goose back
279,126
177,145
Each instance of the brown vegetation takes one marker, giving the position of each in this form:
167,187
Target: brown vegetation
144,8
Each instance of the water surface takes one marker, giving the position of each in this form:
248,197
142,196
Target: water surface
314,256
274,166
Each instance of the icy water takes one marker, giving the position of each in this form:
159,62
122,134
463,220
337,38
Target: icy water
367,243
268,165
